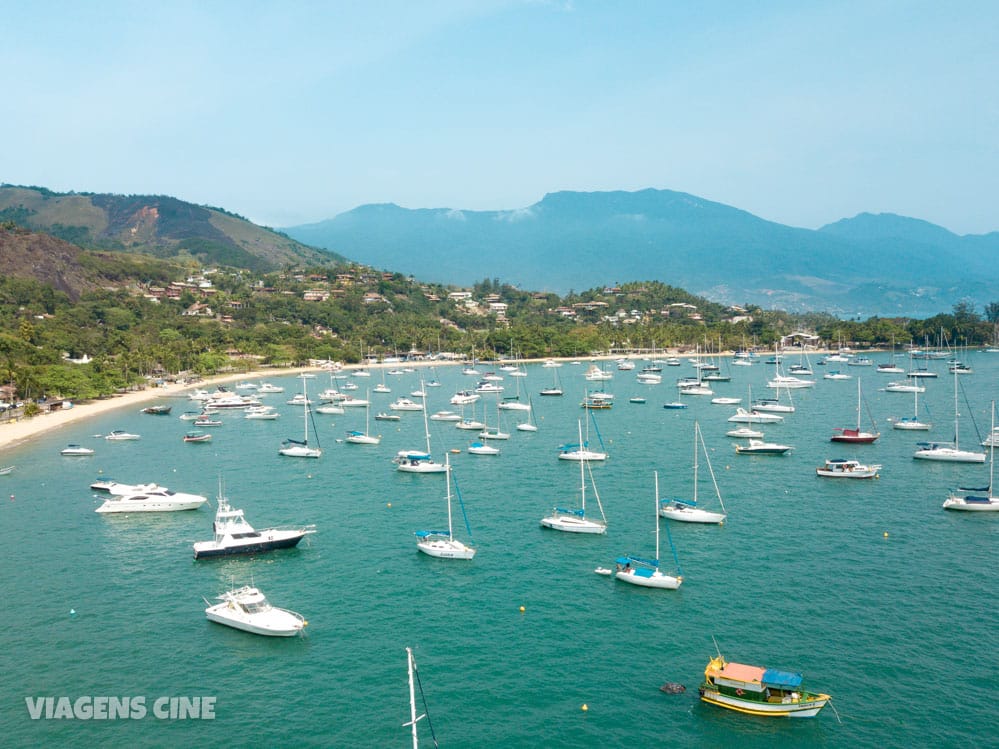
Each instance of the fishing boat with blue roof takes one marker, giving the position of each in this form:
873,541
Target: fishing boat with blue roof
754,690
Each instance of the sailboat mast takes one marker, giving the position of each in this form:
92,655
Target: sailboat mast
657,514
956,428
696,450
447,463
582,469
412,699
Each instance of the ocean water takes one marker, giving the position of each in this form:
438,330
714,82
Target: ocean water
876,594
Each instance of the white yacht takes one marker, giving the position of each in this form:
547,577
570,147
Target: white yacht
233,535
248,609
150,498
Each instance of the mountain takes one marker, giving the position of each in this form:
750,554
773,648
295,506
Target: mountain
154,224
868,265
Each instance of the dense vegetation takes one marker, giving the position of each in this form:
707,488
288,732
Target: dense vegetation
264,319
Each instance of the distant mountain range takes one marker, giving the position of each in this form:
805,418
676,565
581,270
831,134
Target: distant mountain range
868,265
155,225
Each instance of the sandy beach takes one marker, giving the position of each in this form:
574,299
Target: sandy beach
14,433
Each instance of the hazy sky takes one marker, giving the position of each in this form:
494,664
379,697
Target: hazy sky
290,112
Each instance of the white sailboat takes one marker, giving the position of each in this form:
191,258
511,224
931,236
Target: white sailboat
687,510
416,461
364,438
912,423
531,424
443,544
580,450
988,502
949,452
646,572
300,449
573,520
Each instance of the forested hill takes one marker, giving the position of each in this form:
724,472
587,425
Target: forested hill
156,225
869,265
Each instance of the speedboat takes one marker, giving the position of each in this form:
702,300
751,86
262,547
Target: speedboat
150,498
76,451
266,387
759,447
197,437
233,535
382,416
847,469
157,410
745,433
119,435
247,609
445,416
742,416
405,404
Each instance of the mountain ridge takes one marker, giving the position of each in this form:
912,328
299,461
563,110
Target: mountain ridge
575,240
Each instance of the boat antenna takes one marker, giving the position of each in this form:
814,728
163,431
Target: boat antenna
717,649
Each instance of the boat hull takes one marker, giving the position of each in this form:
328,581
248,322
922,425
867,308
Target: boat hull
804,708
655,580
446,549
268,541
949,455
150,505
973,504
572,524
692,515
278,623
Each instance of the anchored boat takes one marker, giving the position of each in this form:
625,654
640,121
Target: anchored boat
759,691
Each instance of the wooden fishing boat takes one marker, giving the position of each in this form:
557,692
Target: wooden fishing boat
759,691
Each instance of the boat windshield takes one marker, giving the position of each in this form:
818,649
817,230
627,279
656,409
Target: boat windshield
256,607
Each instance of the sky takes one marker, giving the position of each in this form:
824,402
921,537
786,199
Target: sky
292,112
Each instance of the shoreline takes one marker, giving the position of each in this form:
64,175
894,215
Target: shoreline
17,433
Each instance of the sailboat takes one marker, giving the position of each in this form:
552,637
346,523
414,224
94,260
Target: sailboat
575,521
952,452
364,438
531,424
512,402
443,544
489,433
413,717
646,572
581,451
912,423
988,502
856,436
686,510
416,461
300,449
556,388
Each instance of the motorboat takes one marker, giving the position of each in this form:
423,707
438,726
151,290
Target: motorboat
248,609
742,416
745,433
847,469
157,410
151,498
207,421
261,413
266,387
726,401
119,435
233,535
198,436
837,375
405,404
382,416
76,451
464,398
759,691
445,416
759,447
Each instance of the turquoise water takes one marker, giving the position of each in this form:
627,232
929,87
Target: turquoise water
899,629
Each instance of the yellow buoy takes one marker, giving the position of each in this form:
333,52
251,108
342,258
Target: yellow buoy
522,609
389,505
585,707
886,534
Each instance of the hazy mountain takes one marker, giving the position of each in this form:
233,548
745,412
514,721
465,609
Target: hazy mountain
153,224
869,265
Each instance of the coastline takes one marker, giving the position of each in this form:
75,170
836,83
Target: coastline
16,433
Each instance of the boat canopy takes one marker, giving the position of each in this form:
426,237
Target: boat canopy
564,511
413,456
426,534
639,560
783,679
677,500
973,488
